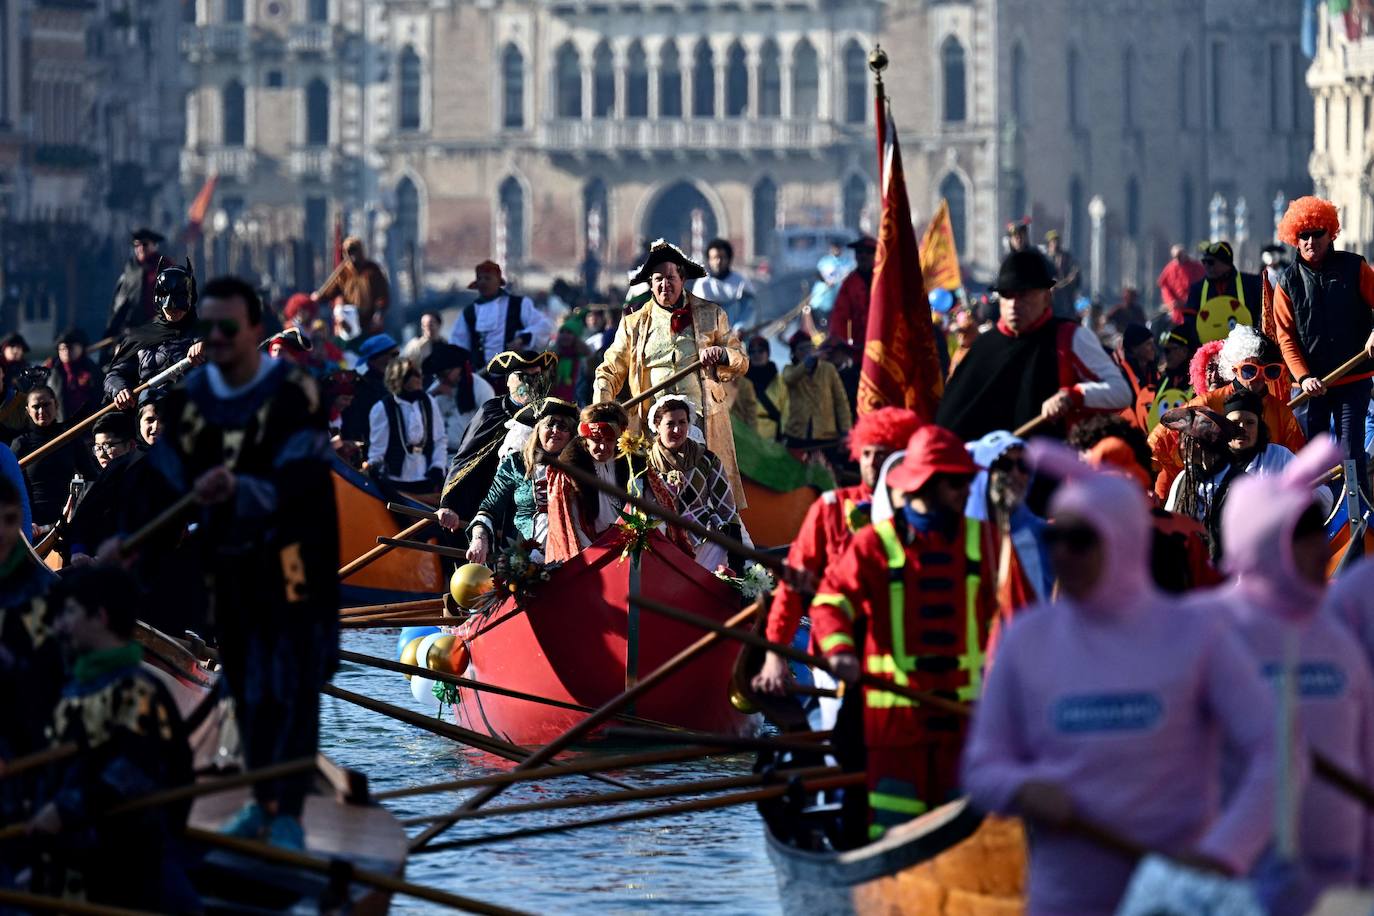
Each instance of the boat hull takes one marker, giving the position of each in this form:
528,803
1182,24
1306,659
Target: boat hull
575,642
772,518
401,575
947,862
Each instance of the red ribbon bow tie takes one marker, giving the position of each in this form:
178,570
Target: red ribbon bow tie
681,319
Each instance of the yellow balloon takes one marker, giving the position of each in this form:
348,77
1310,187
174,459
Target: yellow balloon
437,659
408,653
741,702
469,583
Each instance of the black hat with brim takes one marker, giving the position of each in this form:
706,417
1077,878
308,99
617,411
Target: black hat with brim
443,357
665,252
557,407
864,241
144,234
509,361
1022,271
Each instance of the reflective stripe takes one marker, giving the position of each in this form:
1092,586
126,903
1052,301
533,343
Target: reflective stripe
884,801
836,639
883,699
831,599
896,590
972,659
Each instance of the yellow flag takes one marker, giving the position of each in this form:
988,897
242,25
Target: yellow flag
939,258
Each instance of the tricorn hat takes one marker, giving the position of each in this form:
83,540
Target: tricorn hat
509,361
1202,424
557,407
665,252
144,234
1023,270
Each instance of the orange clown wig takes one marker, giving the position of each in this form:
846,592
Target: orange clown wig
888,427
1308,213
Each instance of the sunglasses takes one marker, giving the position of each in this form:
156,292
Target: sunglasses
227,327
1248,371
1075,538
1309,234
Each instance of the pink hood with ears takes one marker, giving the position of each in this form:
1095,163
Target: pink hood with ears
1116,509
1257,525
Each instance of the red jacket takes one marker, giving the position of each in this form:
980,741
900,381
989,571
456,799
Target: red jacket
829,525
849,318
933,649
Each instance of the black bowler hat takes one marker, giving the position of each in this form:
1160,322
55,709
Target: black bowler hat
144,234
1022,271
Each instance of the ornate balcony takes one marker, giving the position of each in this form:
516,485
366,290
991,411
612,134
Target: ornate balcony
233,162
627,136
311,38
220,40
311,163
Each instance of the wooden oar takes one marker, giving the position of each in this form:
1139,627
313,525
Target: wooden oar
702,804
386,610
130,545
1030,426
391,623
447,730
452,553
330,866
763,558
381,550
753,639
403,509
36,760
668,382
182,793
77,429
571,768
653,729
27,902
700,787
796,742
1335,375
1329,772
45,546
604,713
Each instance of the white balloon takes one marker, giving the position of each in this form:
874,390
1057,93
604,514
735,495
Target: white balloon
422,688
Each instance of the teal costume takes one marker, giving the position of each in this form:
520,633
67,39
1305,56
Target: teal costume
510,487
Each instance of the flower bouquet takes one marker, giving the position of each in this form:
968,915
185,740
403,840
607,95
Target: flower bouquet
756,581
518,571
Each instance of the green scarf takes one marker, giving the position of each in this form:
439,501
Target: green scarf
97,664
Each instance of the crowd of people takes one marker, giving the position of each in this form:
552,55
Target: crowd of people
1115,603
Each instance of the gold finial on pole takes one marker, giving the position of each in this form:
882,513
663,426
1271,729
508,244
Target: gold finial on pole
877,62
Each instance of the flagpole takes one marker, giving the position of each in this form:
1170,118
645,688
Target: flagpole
877,62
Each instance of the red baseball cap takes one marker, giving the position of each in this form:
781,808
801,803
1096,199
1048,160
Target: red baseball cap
932,450
486,267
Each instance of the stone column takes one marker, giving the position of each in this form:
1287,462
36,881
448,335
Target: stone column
652,66
622,80
751,66
588,77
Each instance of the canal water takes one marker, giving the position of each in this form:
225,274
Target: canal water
705,862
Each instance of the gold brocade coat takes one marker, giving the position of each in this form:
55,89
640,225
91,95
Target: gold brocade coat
625,362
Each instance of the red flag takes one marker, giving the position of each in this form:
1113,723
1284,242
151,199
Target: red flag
900,364
200,207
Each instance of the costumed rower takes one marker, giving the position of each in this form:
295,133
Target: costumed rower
1112,704
1276,549
150,348
1322,316
249,436
1031,365
493,433
1245,361
520,489
579,515
132,742
829,526
694,476
920,588
498,319
656,341
1222,300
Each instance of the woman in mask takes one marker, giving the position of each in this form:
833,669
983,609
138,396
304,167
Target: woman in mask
1276,553
520,490
1110,706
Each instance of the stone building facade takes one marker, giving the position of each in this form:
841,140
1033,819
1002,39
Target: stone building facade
563,134
1342,82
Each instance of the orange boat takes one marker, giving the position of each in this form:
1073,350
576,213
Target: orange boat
577,641
401,575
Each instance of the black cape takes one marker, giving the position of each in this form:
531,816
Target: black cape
474,465
1002,382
